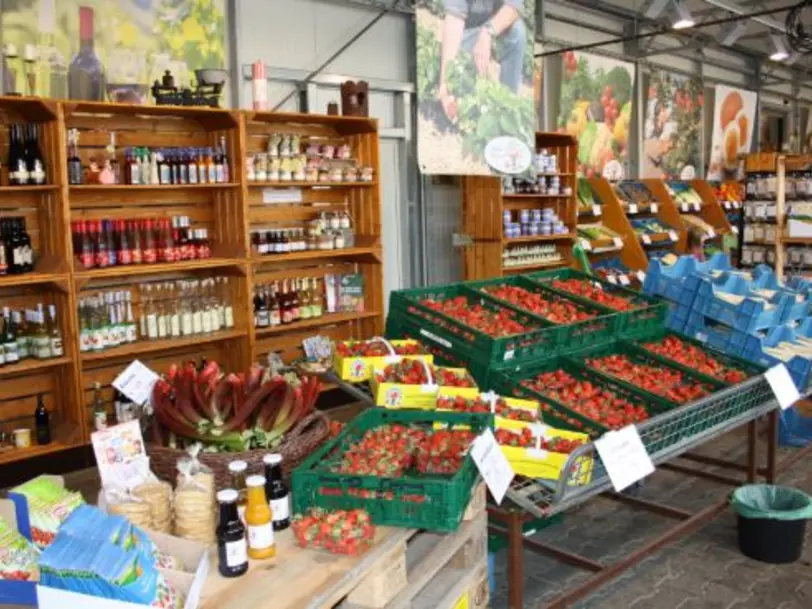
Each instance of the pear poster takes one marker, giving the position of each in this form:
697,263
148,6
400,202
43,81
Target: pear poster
673,126
596,109
734,115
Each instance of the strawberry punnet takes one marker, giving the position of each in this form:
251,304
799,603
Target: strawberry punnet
582,287
376,348
480,405
413,372
694,357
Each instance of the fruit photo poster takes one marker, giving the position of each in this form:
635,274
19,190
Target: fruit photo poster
673,126
108,50
596,109
476,78
734,115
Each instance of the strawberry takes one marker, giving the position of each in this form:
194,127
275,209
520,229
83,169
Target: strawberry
587,289
552,308
413,372
375,348
497,322
694,357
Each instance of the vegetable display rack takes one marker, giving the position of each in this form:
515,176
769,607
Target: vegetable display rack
486,208
225,211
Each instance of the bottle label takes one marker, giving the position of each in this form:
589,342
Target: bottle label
37,176
43,348
212,174
275,318
241,513
260,537
97,340
187,323
165,174
135,174
112,258
152,326
21,174
183,174
11,353
175,325
29,255
136,256
2,355
100,420
56,347
17,256
150,256
125,256
236,553
206,320
215,320
219,174
131,334
102,259
22,346
280,508
192,174
197,322
262,319
162,326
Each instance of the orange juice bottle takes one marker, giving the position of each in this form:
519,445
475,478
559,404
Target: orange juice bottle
258,520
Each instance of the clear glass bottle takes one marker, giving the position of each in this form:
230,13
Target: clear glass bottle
57,349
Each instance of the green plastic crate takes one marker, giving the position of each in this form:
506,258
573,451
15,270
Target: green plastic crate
605,326
508,383
731,361
541,340
648,317
390,501
639,355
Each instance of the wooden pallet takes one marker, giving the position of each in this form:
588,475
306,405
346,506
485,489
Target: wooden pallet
406,568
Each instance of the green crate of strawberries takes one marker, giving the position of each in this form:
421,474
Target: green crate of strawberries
476,324
583,324
395,465
659,382
639,314
693,356
574,398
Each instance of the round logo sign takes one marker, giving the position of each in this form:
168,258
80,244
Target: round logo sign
508,154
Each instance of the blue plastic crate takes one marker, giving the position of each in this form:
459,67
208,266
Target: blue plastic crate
715,335
794,428
668,281
798,366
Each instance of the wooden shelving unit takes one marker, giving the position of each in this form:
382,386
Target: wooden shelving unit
484,204
227,210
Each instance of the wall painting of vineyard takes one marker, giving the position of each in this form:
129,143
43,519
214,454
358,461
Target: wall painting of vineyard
108,50
596,109
483,97
673,126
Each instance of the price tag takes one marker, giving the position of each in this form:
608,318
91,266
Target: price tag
136,382
633,208
736,204
617,241
735,229
727,204
684,207
711,233
586,245
492,464
623,280
654,208
641,276
624,457
611,279
281,195
672,234
596,210
697,206
646,239
782,385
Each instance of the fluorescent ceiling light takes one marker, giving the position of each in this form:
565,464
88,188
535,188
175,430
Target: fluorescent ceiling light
684,19
733,33
780,53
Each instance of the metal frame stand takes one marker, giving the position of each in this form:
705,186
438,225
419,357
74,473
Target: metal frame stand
688,523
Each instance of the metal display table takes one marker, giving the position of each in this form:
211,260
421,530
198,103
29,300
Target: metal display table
666,436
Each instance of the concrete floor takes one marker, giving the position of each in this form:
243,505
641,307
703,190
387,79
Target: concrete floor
703,571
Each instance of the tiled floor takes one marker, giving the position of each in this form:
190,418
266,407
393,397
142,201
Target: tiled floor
703,571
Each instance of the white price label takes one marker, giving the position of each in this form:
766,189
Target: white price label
596,210
782,385
684,207
646,239
623,280
492,464
641,276
617,241
586,245
611,279
727,205
735,229
654,208
711,233
624,457
633,208
672,234
136,382
697,206
281,195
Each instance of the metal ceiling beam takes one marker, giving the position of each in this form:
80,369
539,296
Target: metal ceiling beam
739,10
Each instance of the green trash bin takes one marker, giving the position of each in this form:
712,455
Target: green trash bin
772,521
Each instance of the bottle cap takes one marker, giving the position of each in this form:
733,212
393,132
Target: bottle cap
227,495
255,481
237,466
272,459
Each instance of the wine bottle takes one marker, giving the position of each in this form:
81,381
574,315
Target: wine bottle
99,409
42,422
12,356
17,166
26,251
54,333
36,166
86,72
75,173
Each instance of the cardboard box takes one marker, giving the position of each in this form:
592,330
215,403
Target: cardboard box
359,369
420,397
547,465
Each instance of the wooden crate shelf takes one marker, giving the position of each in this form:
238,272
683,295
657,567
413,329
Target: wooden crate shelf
484,205
228,210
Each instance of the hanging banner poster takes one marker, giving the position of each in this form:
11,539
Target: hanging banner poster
596,109
109,50
475,86
734,115
673,127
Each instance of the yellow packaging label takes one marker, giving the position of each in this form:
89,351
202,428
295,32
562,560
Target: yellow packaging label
420,397
358,369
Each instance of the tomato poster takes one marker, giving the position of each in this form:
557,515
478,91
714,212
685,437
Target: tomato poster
108,50
734,115
476,78
596,109
673,126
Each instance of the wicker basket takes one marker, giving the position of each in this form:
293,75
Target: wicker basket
303,439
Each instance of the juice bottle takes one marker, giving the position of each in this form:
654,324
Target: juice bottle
258,520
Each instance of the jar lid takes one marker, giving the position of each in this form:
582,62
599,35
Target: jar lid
227,495
255,481
237,466
272,459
